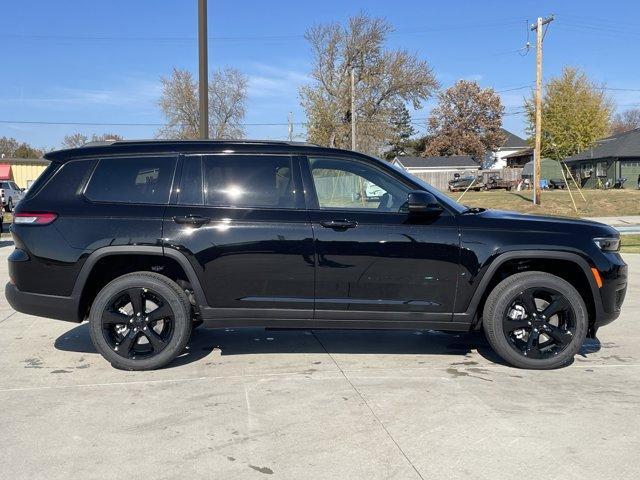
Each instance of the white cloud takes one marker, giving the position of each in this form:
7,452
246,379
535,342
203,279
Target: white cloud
269,81
130,92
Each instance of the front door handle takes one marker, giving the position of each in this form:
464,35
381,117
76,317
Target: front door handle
339,224
195,220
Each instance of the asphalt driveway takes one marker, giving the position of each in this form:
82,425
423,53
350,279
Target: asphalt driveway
316,404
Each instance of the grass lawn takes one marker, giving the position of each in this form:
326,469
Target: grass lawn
630,244
600,203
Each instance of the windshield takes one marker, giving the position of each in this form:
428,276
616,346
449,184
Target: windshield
452,204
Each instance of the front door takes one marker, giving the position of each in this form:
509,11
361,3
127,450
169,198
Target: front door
241,222
374,261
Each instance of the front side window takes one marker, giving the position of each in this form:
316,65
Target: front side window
132,180
260,181
354,185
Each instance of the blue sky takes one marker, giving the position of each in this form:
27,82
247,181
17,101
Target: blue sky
90,61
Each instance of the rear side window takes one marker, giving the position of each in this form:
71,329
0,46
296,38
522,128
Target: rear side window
132,180
42,179
262,181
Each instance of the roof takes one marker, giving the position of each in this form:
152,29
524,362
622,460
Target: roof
114,147
512,140
520,153
452,161
28,161
625,144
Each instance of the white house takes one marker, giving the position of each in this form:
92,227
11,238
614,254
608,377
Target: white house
512,144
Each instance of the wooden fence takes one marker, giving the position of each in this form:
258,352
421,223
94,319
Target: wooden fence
440,180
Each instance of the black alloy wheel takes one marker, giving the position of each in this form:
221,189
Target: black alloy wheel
137,323
539,323
535,320
141,321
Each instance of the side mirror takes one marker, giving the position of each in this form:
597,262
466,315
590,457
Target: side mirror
420,202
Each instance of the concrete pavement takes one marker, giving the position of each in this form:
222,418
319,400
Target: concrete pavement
316,405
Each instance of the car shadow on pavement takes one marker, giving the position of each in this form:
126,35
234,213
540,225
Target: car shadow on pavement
249,341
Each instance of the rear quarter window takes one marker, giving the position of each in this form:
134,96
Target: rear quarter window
132,180
58,182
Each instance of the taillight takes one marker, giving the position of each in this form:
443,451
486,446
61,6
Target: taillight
34,218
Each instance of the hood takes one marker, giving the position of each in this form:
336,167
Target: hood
546,223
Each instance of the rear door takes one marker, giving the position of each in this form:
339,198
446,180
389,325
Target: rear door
241,221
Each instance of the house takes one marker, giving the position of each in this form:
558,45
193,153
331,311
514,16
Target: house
611,158
23,171
512,144
453,164
437,171
519,158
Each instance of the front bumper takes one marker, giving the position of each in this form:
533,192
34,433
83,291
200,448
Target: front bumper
49,306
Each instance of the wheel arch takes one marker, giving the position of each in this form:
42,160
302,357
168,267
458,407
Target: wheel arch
107,263
566,265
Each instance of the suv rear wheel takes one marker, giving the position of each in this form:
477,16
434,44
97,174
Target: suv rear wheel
535,320
140,321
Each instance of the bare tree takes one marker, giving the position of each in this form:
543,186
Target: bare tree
78,139
10,147
179,103
466,121
385,81
625,121
227,97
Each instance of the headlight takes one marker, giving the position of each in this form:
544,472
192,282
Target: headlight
608,244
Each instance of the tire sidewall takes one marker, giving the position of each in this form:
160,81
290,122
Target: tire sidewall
506,291
169,293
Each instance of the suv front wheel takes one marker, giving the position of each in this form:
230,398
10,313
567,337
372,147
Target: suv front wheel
140,321
535,320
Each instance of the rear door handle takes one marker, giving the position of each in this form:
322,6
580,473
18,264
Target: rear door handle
339,224
195,220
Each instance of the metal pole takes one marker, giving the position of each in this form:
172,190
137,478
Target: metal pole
203,81
353,109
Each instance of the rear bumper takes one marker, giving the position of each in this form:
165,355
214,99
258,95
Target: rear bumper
49,306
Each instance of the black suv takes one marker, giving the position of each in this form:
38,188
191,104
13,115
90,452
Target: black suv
147,239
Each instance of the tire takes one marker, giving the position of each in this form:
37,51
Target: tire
551,340
131,341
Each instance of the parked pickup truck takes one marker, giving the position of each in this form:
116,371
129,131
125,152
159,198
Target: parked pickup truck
10,194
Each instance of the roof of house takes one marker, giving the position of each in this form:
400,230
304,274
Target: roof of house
512,140
520,153
625,144
453,161
24,161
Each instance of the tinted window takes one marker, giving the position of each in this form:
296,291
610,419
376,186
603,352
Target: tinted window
6,185
249,181
190,192
132,180
67,183
354,185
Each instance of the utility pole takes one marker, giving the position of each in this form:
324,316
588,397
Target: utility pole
353,109
203,80
290,125
536,152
